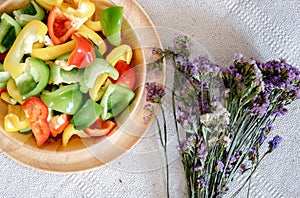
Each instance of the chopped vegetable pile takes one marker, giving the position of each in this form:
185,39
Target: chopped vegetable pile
61,73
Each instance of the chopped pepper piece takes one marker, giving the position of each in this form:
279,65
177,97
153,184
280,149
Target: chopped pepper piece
34,79
9,29
58,123
66,99
115,99
60,75
94,37
87,114
84,54
99,66
37,113
31,11
84,8
100,128
61,26
13,92
53,52
16,119
34,31
111,22
69,132
48,4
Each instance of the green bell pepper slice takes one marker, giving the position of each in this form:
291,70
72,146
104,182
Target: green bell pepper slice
60,75
31,11
4,76
66,99
111,22
9,29
115,99
34,78
87,115
91,73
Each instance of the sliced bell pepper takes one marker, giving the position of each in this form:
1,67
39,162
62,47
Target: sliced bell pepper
2,56
100,128
31,11
126,75
84,54
93,25
37,113
53,52
9,29
69,132
115,99
61,26
97,91
4,77
66,99
92,35
99,66
7,98
60,75
15,119
2,90
34,79
48,4
58,123
87,115
111,22
122,52
84,8
34,31
13,92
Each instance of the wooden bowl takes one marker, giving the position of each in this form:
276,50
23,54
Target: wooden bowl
84,154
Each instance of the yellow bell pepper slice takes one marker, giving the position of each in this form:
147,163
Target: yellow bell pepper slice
84,8
69,132
122,52
13,91
93,25
52,52
48,4
6,97
16,119
99,87
34,31
96,38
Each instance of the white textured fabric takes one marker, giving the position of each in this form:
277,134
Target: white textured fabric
261,29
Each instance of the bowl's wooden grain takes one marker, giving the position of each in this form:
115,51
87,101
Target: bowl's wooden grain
84,154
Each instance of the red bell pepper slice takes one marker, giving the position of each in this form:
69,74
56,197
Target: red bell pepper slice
126,75
100,127
2,56
2,90
59,25
58,123
84,53
37,112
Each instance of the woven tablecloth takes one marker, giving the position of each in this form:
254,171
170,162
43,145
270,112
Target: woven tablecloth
268,29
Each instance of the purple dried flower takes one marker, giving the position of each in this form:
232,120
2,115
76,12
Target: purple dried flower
252,154
202,183
261,138
220,166
155,92
273,144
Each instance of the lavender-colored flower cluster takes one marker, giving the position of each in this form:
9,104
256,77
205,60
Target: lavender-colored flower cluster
282,85
194,84
155,92
274,143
